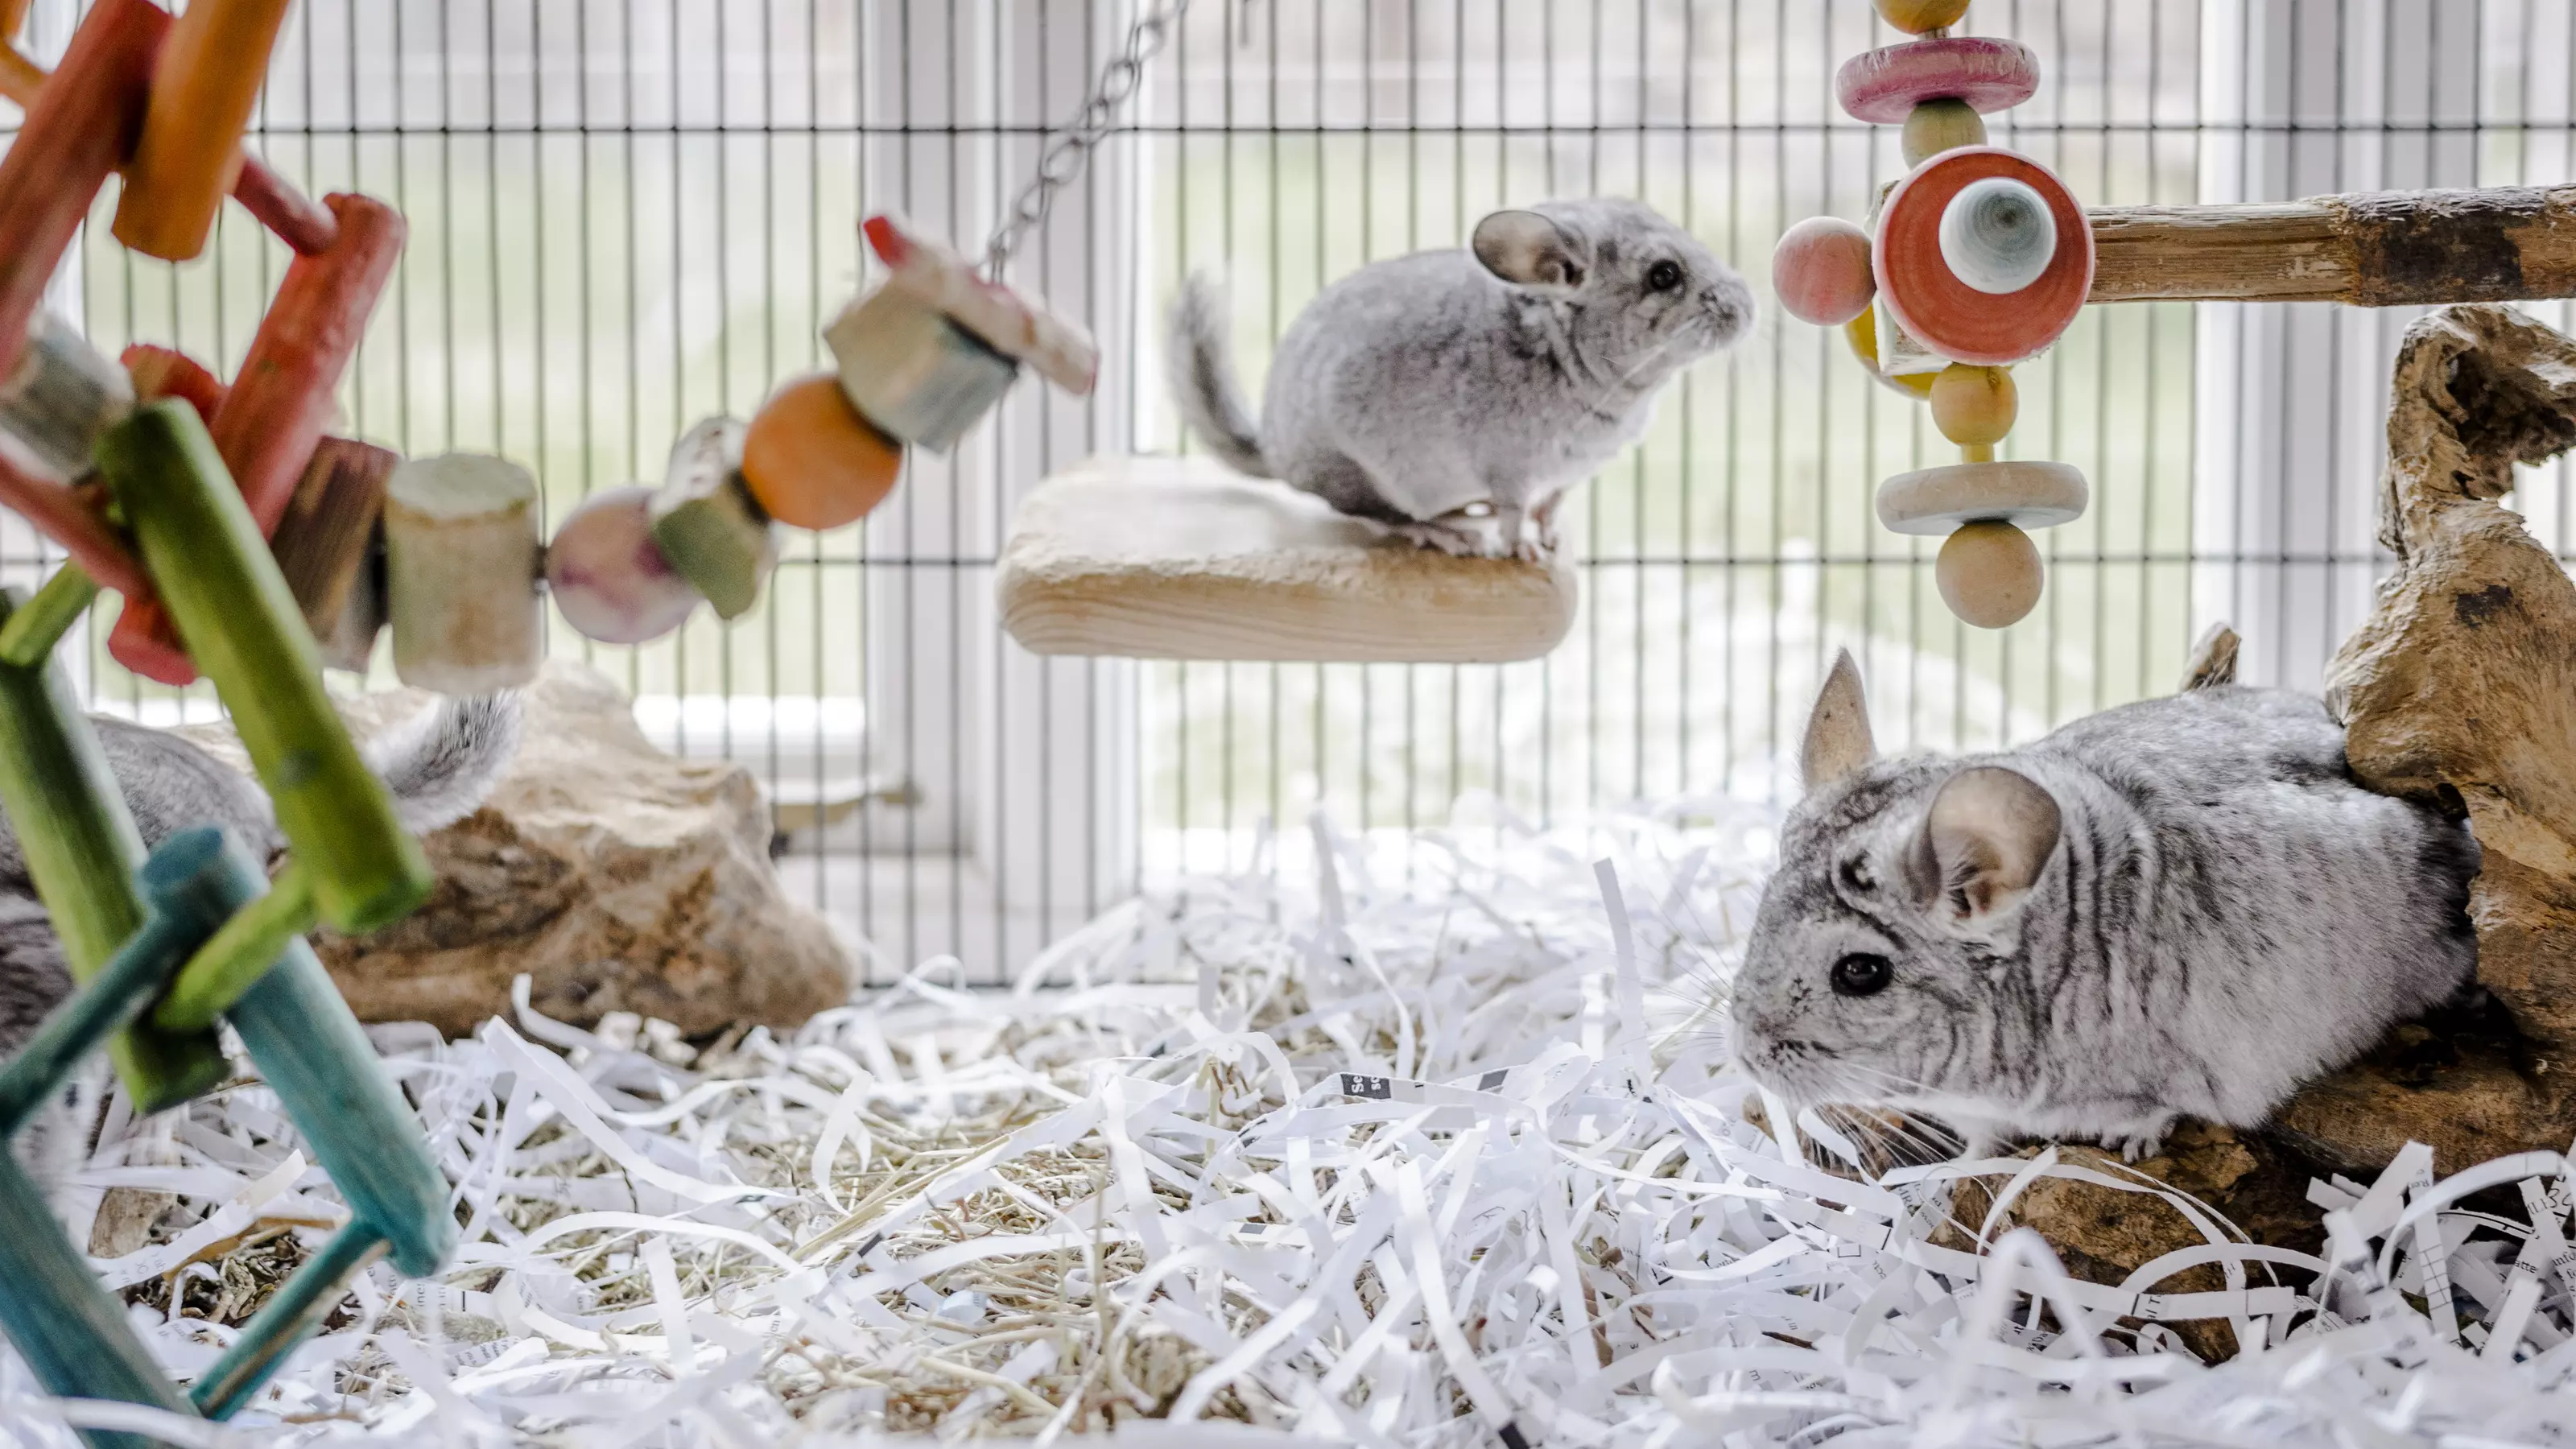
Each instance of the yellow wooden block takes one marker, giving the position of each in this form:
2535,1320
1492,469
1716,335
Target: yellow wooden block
1177,558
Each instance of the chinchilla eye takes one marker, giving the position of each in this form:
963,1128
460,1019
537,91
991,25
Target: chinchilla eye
1861,974
1856,876
1663,276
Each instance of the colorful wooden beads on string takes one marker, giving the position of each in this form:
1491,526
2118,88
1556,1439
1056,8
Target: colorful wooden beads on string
1977,259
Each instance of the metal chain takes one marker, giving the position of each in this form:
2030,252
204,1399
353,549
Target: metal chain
1066,156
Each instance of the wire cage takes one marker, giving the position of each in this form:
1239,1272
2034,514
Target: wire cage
628,214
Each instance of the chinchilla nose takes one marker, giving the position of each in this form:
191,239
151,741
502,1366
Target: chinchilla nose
1730,309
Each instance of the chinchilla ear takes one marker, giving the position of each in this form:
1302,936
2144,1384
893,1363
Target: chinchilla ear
1838,740
1528,250
1989,832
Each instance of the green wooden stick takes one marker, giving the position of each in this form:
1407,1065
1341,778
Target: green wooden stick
28,638
240,623
82,851
239,954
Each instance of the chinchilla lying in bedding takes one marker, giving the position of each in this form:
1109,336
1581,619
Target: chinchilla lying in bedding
439,766
1421,391
2181,907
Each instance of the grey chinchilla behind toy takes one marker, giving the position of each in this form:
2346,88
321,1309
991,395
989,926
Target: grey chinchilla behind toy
1415,389
2181,907
439,766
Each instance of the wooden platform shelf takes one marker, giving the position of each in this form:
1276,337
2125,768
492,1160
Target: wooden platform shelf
1176,558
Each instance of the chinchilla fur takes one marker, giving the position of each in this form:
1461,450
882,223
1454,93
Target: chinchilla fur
2181,907
1416,388
439,767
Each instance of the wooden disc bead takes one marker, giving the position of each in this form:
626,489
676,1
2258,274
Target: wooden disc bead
1974,406
1943,125
1821,271
1989,574
1914,17
1989,73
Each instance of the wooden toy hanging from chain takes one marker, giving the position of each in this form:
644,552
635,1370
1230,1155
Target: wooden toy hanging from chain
1979,259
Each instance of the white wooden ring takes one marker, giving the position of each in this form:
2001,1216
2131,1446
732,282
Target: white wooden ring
1934,501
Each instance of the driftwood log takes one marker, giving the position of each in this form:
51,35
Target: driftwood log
2366,249
2460,691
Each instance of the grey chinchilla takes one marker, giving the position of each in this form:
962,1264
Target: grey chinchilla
2182,907
1416,389
439,768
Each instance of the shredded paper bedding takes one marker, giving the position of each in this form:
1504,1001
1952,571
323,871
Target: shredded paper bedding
1429,1143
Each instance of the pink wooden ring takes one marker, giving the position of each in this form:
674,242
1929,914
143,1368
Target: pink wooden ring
1947,315
1884,86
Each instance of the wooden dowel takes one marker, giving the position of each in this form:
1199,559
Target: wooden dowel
281,399
2364,249
289,1317
297,219
82,850
238,953
168,372
189,154
134,976
74,1337
70,516
75,133
240,622
268,421
28,635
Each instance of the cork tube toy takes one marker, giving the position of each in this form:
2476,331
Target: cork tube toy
461,568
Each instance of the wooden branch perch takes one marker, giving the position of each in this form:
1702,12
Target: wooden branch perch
2367,249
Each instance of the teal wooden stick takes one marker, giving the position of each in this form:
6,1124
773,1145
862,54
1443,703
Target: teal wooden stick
314,1055
113,998
82,851
243,628
28,637
285,1320
71,1333
238,954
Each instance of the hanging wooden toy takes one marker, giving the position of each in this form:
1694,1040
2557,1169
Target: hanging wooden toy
1978,259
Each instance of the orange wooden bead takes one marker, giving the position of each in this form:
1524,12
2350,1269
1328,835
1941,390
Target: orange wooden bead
1974,406
812,461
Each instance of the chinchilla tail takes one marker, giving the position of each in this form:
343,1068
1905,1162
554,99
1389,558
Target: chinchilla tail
1203,381
442,762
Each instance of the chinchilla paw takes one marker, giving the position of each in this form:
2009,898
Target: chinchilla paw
1449,538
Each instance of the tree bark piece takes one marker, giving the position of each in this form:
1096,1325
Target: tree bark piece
2368,249
616,877
461,568
2460,691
